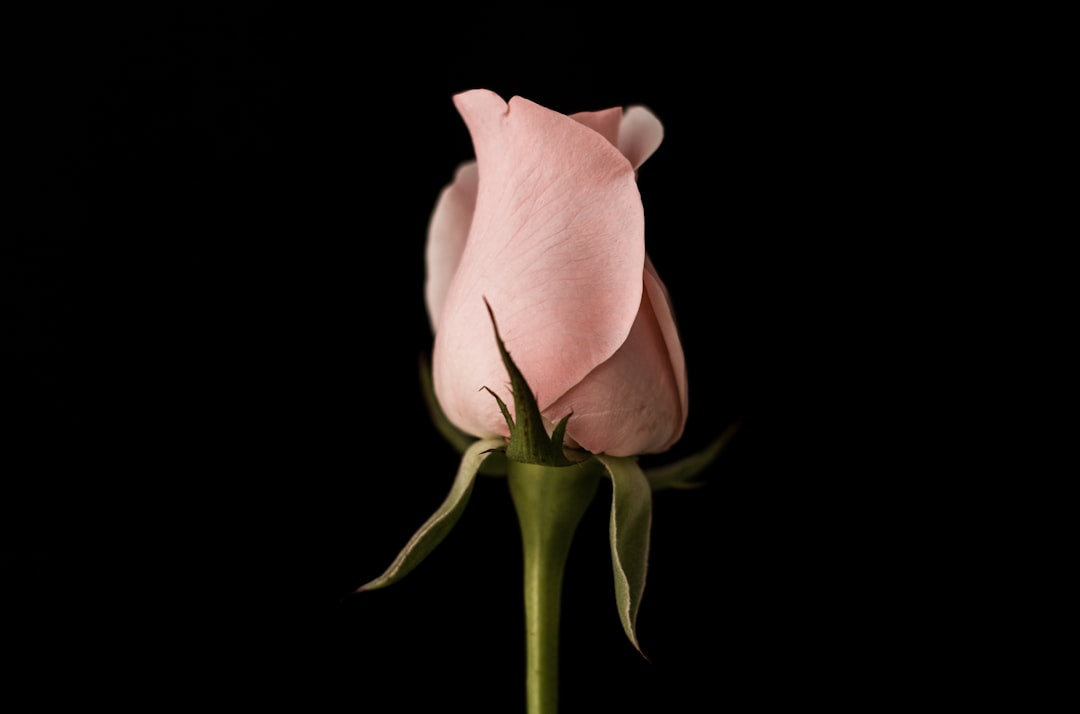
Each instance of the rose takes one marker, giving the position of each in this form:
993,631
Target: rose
547,225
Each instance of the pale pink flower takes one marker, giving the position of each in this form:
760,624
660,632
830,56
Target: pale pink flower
547,224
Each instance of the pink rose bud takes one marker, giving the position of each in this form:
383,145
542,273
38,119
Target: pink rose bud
547,225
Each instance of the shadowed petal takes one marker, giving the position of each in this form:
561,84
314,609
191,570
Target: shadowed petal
604,122
665,320
631,403
447,231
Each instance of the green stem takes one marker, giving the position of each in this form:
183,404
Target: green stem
550,501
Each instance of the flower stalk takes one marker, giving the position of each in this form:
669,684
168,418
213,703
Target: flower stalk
550,502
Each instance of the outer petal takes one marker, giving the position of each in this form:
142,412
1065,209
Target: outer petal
447,232
631,404
665,320
557,246
640,134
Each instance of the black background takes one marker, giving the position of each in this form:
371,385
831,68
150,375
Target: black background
215,426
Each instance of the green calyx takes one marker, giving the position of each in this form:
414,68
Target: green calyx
529,440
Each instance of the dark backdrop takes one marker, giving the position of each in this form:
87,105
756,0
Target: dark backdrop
215,429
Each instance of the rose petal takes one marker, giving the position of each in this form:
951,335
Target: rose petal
637,132
604,122
631,403
665,320
557,247
447,231
640,134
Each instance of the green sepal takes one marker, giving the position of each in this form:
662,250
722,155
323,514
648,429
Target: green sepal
630,524
680,473
529,440
494,465
436,528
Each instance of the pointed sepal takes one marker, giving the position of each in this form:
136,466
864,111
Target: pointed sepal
630,525
529,441
680,474
436,528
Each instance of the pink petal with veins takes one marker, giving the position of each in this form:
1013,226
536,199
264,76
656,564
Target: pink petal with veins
557,247
634,403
